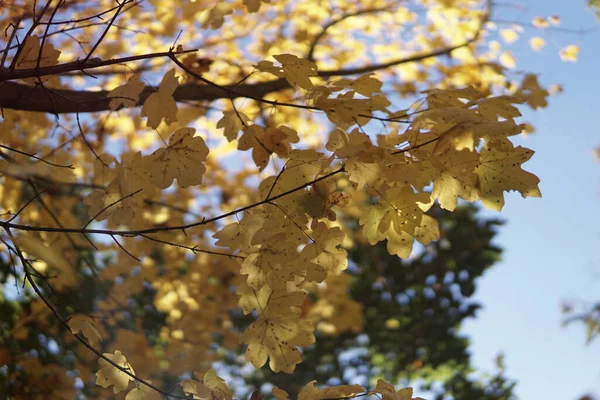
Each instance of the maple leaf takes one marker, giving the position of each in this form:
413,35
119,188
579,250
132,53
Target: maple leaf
444,98
344,110
232,122
325,251
365,84
126,95
310,392
569,53
398,210
109,375
81,323
265,142
238,235
296,70
161,105
212,387
455,177
254,5
52,256
278,330
143,392
183,159
274,258
533,93
216,16
537,43
30,53
389,392
279,394
500,171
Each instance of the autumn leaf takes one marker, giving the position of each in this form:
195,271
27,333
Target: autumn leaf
161,105
278,329
325,251
183,159
216,16
296,70
569,53
279,394
500,171
254,5
388,392
30,54
265,142
143,392
310,392
232,123
109,375
51,256
81,323
211,387
126,95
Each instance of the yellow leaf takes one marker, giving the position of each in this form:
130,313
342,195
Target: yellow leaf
325,251
143,392
509,35
109,375
537,43
216,16
280,394
539,22
183,159
365,85
296,70
500,171
50,255
211,387
232,122
161,104
30,52
81,323
310,392
265,142
278,330
254,5
126,95
507,60
569,53
389,392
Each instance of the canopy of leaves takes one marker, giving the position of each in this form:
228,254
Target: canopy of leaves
165,164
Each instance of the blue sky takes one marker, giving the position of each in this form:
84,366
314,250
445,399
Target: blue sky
552,244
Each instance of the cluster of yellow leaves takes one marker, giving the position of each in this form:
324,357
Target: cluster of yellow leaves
456,148
383,389
182,159
209,387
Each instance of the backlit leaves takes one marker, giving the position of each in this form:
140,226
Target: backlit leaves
501,171
126,95
388,392
109,375
278,329
83,324
210,387
30,56
161,105
296,70
183,159
265,142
